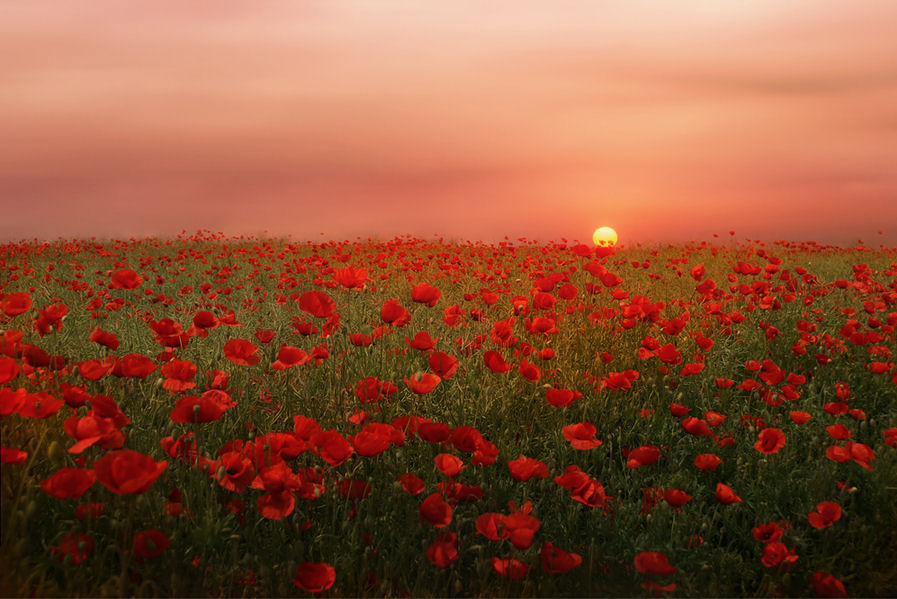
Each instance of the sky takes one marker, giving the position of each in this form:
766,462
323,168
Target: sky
669,121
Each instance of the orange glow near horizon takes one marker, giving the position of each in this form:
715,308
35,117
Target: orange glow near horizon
351,118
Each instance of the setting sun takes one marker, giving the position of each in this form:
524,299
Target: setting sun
604,236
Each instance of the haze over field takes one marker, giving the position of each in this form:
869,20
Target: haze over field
665,121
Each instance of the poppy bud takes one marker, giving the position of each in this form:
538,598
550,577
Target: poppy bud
30,509
55,452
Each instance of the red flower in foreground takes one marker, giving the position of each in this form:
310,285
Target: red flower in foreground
127,472
653,562
14,304
707,461
771,440
767,533
826,585
240,351
150,544
314,578
422,382
443,552
675,497
560,398
317,303
77,547
581,435
68,483
510,568
125,278
524,468
826,514
726,495
449,465
411,483
558,561
435,511
10,455
289,356
642,456
776,554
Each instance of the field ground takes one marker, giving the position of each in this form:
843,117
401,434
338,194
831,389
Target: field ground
212,416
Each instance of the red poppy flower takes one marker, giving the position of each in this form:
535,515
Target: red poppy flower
558,561
435,511
178,375
771,440
678,410
768,532
524,468
94,370
581,435
240,351
696,427
314,577
443,552
449,465
289,356
777,554
466,438
14,304
495,362
799,417
839,432
205,320
196,410
135,366
351,277
68,483
826,514
424,293
520,527
654,563
510,568
668,354
332,447
725,495
39,405
675,497
826,585
317,303
529,371
433,432
422,382
10,455
707,461
590,494
371,389
105,339
411,483
485,454
642,456
560,398
391,312
127,472
442,364
9,369
572,478
150,544
368,443
77,547
422,341
92,430
125,278
235,472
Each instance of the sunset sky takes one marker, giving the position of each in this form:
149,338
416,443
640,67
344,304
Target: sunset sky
667,120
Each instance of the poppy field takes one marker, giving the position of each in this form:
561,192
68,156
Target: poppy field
240,416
